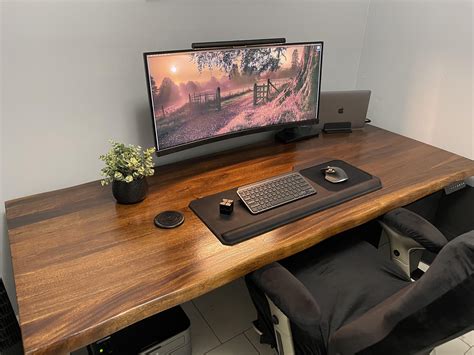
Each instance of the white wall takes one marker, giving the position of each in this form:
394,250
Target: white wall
73,73
3,239
417,59
74,70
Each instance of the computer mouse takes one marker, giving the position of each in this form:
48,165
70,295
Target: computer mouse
334,174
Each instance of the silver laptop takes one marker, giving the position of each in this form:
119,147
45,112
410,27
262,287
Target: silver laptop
344,106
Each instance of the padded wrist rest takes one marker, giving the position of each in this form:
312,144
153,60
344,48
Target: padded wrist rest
242,225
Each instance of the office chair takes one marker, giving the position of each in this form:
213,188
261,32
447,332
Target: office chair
451,211
343,297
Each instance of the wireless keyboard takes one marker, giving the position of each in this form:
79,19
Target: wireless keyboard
267,194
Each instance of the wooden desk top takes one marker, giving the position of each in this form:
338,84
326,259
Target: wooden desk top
86,267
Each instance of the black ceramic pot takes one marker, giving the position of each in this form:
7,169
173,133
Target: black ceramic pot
132,192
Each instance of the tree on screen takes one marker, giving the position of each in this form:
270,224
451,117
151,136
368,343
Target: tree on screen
253,61
234,72
306,81
294,59
154,88
166,93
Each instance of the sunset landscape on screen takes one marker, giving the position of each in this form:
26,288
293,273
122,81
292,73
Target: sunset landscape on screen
203,94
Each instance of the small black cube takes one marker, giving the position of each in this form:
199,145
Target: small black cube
226,206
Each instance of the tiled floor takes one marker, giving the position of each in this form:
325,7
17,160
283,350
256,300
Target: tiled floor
455,347
221,324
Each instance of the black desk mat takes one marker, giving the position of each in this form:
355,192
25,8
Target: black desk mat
242,225
356,176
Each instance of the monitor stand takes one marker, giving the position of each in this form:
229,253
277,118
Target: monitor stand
294,134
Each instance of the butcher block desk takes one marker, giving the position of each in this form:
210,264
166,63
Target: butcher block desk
86,267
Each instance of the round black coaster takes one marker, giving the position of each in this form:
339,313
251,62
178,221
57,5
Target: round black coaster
169,219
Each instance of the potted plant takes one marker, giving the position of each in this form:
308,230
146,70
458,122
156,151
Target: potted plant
126,167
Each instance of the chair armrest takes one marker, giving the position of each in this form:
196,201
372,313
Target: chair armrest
288,294
443,296
411,225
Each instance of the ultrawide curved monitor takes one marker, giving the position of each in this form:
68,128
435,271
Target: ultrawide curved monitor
200,96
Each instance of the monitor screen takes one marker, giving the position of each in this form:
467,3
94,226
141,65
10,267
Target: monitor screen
198,96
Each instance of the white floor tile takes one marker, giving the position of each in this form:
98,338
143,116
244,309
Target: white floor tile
228,309
468,338
202,337
453,347
263,349
236,346
470,351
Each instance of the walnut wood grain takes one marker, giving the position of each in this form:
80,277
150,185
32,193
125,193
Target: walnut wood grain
86,267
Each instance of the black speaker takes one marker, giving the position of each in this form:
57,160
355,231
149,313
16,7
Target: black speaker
169,219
